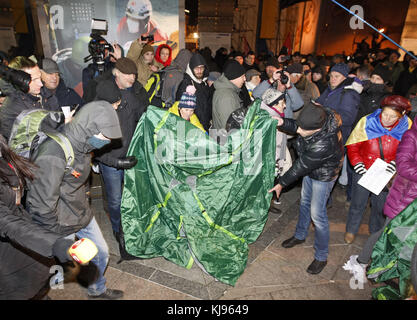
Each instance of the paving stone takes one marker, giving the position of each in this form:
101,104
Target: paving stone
183,285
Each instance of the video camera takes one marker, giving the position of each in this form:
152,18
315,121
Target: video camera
98,45
149,38
18,78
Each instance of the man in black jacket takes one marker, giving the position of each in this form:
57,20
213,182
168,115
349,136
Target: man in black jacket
112,159
38,97
320,149
196,75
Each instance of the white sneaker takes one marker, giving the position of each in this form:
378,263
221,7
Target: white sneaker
357,269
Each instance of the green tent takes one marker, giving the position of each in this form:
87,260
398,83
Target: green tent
191,199
391,257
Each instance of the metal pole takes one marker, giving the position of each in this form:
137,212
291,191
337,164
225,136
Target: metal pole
302,26
388,38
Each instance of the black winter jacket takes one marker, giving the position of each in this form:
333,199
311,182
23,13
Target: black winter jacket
134,103
320,155
24,270
67,96
203,93
18,101
370,100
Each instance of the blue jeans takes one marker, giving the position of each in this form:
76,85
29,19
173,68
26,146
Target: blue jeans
113,183
92,231
358,205
314,195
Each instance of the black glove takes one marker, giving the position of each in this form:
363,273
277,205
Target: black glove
392,167
60,249
126,163
360,168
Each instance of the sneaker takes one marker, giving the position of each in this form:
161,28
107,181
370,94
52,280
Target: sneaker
109,294
357,269
276,201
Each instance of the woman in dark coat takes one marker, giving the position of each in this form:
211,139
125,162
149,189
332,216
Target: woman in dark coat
26,249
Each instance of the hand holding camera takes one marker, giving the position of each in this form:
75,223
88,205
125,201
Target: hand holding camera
147,39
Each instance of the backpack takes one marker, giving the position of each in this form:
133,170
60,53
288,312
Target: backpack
27,135
154,87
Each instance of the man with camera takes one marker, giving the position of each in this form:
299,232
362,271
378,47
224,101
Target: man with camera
37,97
104,56
280,80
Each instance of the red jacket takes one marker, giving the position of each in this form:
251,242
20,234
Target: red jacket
368,151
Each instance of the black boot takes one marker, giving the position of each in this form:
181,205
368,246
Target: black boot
316,266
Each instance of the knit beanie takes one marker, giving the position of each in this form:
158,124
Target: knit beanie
108,91
188,98
233,70
126,66
251,73
311,117
271,96
383,72
146,48
342,68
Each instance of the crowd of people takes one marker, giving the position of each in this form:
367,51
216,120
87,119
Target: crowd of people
335,116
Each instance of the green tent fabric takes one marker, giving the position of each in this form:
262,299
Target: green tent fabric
391,257
190,199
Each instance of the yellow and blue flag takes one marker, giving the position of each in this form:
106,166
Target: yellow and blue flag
370,127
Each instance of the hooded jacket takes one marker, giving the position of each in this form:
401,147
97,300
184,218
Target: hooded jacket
344,100
404,187
56,198
203,92
320,156
174,74
19,101
225,101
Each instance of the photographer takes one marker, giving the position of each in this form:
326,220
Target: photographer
104,57
142,53
293,99
37,97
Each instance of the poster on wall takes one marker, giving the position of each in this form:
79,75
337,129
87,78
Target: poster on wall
70,28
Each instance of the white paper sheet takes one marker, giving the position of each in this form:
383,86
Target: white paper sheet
376,178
